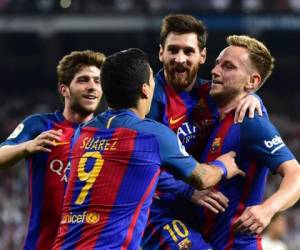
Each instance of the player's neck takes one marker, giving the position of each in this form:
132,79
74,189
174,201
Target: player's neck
76,117
227,106
139,112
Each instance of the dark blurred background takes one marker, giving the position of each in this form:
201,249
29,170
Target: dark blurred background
35,34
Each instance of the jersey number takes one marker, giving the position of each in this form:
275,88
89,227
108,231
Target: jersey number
89,177
177,227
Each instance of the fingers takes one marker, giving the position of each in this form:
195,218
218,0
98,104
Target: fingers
209,207
53,135
241,172
210,199
240,111
250,103
232,153
248,223
44,141
219,198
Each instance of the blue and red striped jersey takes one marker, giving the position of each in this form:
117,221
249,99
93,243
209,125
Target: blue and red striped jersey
178,111
115,165
47,177
190,116
259,149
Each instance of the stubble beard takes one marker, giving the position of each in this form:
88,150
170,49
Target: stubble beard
180,83
83,110
224,97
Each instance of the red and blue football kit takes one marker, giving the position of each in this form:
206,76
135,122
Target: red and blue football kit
172,222
259,149
47,177
115,164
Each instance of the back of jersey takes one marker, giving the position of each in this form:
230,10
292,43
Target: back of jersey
113,176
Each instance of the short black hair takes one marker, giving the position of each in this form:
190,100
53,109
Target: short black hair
122,77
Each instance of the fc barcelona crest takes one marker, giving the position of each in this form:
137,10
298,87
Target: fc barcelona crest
215,145
201,105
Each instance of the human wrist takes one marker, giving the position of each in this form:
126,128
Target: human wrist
219,164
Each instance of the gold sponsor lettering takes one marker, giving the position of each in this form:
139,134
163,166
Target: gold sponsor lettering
85,217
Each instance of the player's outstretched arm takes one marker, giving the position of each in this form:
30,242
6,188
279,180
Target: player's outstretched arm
255,218
11,154
208,175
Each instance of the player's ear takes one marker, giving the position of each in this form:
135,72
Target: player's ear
254,82
161,51
203,54
145,90
63,90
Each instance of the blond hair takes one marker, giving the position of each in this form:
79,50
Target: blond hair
259,54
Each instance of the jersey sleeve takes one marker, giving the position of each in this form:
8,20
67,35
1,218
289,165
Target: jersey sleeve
172,153
263,143
168,184
27,130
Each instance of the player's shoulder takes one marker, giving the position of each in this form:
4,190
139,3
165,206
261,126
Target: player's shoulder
257,127
256,122
153,127
40,118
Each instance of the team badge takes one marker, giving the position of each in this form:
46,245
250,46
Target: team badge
17,131
201,105
215,145
185,244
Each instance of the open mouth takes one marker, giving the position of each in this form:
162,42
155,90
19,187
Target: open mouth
215,81
180,71
90,97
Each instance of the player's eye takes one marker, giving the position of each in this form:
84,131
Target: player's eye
173,50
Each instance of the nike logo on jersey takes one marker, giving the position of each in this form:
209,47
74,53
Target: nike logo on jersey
58,143
174,121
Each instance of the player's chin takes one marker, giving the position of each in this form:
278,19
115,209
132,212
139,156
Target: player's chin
90,108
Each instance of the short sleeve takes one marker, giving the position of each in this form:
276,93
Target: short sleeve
263,142
172,153
27,130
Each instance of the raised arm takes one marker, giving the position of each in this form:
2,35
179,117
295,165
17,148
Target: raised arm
11,154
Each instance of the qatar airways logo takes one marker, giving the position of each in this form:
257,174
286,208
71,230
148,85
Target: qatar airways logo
58,167
275,144
187,133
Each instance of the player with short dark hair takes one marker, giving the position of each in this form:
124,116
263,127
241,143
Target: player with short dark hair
45,141
116,162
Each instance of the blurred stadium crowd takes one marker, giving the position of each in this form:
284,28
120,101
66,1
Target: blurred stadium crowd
148,6
17,104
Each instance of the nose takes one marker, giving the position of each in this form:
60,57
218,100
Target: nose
93,84
180,57
215,71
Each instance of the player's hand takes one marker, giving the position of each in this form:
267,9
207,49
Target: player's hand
211,199
43,142
229,161
250,103
254,219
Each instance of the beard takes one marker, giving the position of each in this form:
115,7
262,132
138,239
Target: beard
180,83
225,96
81,108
